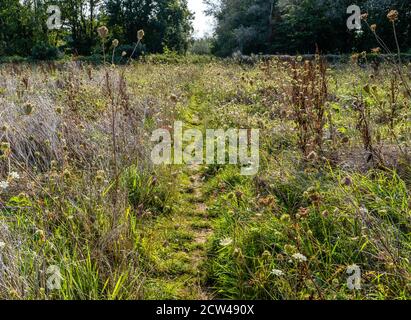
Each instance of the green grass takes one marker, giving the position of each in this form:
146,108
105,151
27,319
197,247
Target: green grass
202,232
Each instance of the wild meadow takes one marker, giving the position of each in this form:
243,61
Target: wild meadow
79,191
87,214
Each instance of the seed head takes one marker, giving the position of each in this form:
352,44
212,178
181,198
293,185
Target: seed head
4,146
373,27
376,50
115,43
28,108
392,15
102,32
140,34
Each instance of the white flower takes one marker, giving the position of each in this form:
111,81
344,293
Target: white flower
14,175
226,242
363,211
2,245
277,272
300,257
4,185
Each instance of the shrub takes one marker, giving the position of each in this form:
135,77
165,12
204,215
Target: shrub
44,51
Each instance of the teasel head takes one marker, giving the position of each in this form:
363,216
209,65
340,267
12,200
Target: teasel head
102,32
376,50
4,146
140,34
28,108
392,16
115,43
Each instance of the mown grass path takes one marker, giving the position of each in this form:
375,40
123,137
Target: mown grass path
177,243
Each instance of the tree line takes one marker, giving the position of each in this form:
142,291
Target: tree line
23,29
246,26
300,26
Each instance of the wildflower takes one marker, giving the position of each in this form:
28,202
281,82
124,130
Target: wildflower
266,255
4,146
285,218
325,213
173,98
373,27
289,249
4,185
102,32
354,57
347,181
100,176
28,108
277,272
392,15
226,242
2,245
123,54
364,16
140,34
363,211
14,175
376,50
115,43
40,235
66,173
303,212
238,253
299,257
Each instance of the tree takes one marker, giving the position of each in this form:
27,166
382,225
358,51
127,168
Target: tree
244,25
167,23
20,27
300,26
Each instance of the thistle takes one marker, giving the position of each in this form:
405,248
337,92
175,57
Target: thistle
115,45
392,16
28,108
140,35
102,32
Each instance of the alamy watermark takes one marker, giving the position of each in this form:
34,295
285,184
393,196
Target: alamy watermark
354,279
354,21
54,278
233,146
54,20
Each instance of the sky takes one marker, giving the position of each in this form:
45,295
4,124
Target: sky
203,25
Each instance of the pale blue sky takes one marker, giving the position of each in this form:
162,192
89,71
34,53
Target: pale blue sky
202,24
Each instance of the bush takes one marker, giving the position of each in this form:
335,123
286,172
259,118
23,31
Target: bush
12,59
44,51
